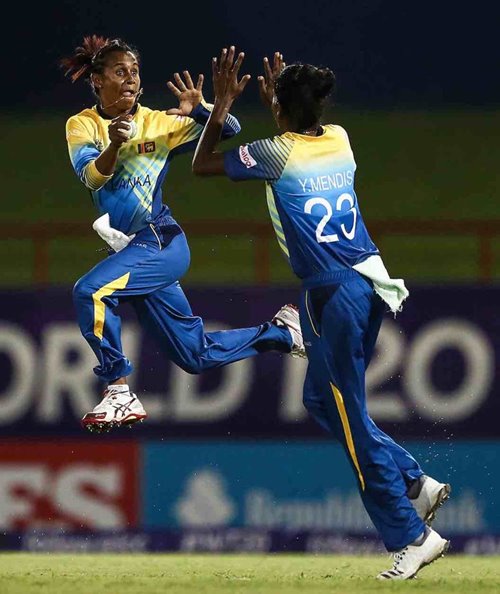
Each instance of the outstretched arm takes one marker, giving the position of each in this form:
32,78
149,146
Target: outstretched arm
207,160
192,103
267,81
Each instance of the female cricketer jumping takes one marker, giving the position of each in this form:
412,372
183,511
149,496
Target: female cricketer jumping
308,171
121,151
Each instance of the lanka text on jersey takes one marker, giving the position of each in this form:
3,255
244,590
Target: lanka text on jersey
133,194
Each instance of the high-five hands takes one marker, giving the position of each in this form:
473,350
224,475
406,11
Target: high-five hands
225,75
188,95
266,82
226,85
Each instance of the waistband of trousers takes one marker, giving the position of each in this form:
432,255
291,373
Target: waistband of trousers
328,277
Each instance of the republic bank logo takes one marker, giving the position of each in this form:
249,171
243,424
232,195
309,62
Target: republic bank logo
205,502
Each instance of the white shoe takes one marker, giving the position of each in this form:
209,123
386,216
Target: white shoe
116,409
288,316
412,558
431,496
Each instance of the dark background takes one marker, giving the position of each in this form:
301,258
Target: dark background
385,53
418,92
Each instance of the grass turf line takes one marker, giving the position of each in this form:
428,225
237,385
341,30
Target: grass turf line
27,573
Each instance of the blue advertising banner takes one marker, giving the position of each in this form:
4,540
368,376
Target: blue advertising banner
303,487
434,373
248,496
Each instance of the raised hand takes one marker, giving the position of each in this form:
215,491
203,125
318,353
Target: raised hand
266,82
187,94
225,75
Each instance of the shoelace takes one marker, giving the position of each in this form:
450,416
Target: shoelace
398,557
112,395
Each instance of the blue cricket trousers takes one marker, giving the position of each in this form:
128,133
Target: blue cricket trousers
146,274
340,324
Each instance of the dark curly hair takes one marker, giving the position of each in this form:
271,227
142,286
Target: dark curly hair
90,57
302,90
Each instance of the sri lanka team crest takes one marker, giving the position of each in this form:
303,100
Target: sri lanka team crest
146,147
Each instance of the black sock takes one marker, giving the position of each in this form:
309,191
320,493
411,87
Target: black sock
414,489
418,541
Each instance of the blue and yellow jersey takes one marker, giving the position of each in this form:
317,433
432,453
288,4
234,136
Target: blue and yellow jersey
133,194
311,198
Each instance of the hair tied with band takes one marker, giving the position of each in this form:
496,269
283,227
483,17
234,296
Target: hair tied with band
301,91
80,63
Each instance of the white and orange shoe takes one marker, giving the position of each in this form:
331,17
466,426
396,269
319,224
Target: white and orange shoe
118,408
288,316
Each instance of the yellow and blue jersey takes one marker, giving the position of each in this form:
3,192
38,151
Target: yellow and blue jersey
311,198
133,194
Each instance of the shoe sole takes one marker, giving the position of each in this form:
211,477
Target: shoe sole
443,496
97,426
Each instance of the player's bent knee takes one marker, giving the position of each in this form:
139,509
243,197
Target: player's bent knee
81,291
191,366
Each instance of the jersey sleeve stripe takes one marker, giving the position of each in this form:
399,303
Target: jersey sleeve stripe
93,178
283,246
233,123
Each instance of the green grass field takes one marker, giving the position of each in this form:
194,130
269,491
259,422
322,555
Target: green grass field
256,574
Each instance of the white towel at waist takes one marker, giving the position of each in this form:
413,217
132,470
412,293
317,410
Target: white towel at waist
392,290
